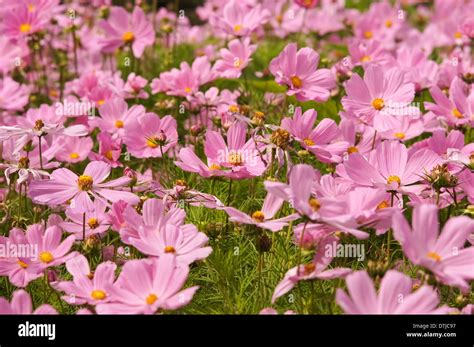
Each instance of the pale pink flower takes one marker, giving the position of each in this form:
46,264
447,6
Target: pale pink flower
395,296
21,304
443,254
64,185
235,58
145,286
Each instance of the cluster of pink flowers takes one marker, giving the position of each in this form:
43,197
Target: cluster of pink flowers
362,135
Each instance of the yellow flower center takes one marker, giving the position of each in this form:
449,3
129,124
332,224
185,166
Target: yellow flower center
368,34
85,182
150,299
25,28
128,37
214,167
22,264
258,216
435,256
187,90
237,62
352,149
74,155
98,294
100,102
296,81
457,114
308,142
457,35
309,268
31,8
388,23
235,158
237,28
119,124
93,223
392,179
109,155
382,205
378,104
46,257
234,108
400,136
315,204
279,19
170,249
366,58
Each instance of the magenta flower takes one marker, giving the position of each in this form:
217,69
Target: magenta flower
394,296
145,286
21,304
149,136
263,218
64,185
123,28
235,58
444,254
87,287
298,70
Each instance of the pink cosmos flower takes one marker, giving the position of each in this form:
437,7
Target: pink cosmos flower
150,136
155,217
299,71
381,93
239,19
300,193
184,241
109,150
444,254
115,114
263,218
394,296
186,80
74,149
467,27
235,58
322,140
21,22
51,250
10,53
317,269
180,195
21,304
96,221
456,109
390,166
122,28
368,52
13,95
237,159
87,287
19,267
64,185
134,88
145,286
